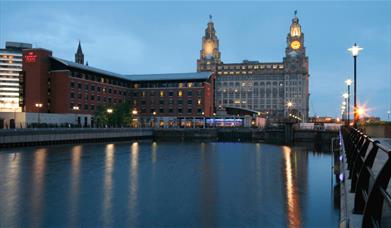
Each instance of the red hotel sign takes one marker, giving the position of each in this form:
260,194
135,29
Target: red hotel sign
31,57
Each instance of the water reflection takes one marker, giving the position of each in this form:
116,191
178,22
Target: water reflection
150,184
11,183
134,151
75,185
37,192
108,184
292,195
208,187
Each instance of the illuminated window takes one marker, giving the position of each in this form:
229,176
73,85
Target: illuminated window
180,85
180,93
161,93
189,84
199,101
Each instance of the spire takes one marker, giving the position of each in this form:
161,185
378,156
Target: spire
79,56
79,48
295,26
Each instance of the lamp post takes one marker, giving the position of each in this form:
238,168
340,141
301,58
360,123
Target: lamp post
289,105
75,109
134,113
154,119
345,103
348,83
109,112
38,106
355,50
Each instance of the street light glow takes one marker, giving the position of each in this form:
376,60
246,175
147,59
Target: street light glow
76,108
355,50
134,112
289,104
109,110
349,82
345,95
361,111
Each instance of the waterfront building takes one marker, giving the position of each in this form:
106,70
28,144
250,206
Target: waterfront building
55,85
10,69
274,89
179,94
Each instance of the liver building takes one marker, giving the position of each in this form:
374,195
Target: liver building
275,89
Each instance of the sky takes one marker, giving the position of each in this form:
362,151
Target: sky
141,37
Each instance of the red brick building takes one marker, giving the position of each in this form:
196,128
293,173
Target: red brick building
54,85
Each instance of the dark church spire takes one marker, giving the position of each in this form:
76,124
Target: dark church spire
79,56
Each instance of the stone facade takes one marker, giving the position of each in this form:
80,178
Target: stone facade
274,89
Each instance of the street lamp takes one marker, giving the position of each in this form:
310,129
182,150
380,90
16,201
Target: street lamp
355,50
75,109
109,111
39,106
289,105
348,83
345,102
134,113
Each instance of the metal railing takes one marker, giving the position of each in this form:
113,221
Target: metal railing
369,165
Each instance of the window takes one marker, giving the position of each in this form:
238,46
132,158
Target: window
189,110
72,95
161,93
92,97
199,101
170,93
189,102
72,84
86,107
79,85
86,87
180,102
179,110
180,93
189,93
161,110
92,88
170,110
79,95
98,89
161,102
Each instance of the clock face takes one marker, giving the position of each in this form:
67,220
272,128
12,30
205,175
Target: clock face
295,45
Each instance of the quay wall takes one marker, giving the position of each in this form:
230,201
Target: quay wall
282,136
30,137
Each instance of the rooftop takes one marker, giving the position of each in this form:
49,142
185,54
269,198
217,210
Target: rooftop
170,76
87,68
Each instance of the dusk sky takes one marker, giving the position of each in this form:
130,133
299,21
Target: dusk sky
163,37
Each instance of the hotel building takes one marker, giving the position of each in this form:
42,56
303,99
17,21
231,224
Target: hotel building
10,69
55,85
275,89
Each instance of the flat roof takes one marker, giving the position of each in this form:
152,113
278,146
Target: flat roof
170,76
87,68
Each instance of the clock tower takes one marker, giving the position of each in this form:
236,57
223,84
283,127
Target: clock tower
296,71
209,54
